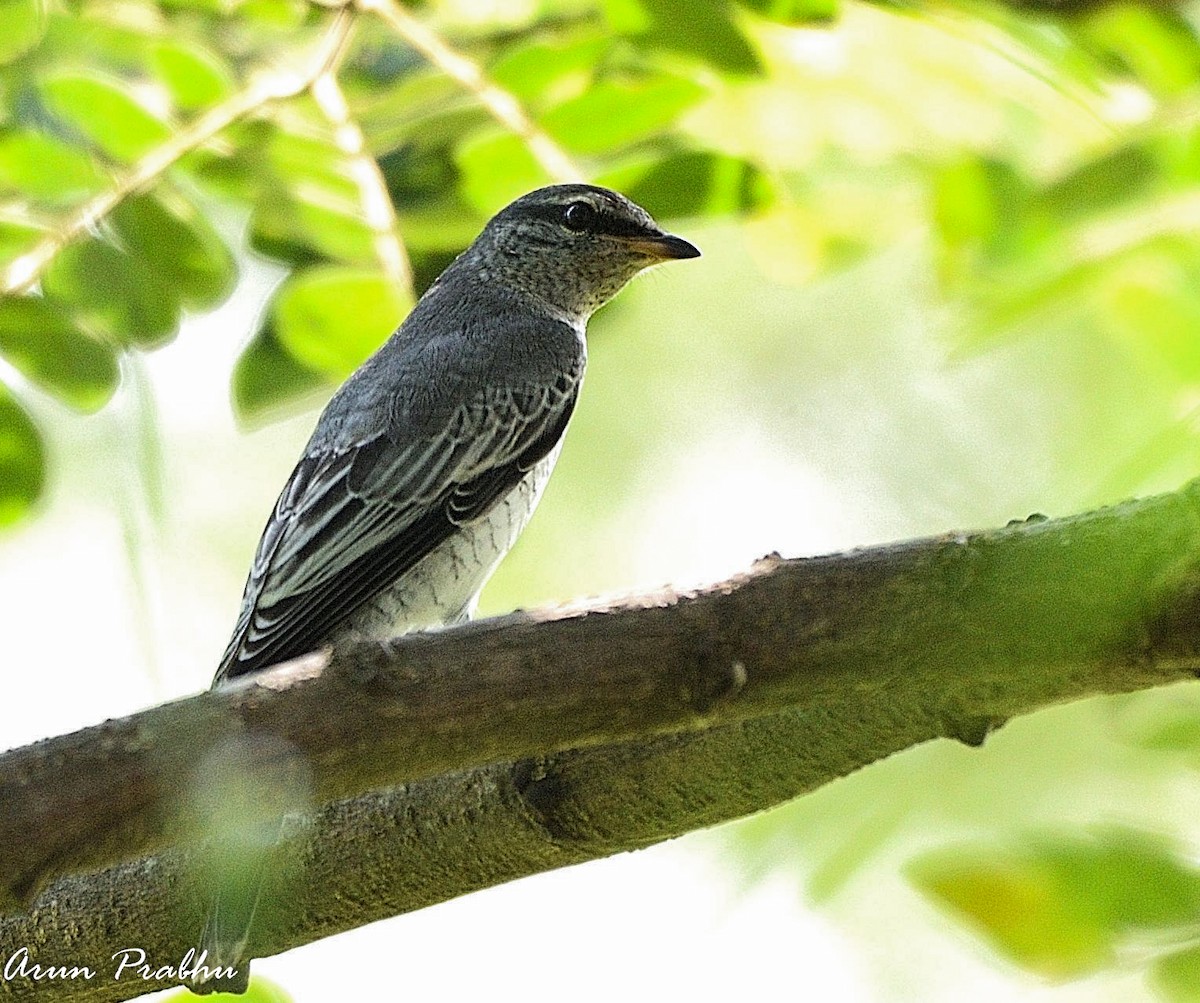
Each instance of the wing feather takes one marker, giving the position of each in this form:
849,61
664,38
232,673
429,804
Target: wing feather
349,523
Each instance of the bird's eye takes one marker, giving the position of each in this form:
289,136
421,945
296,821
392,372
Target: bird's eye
579,216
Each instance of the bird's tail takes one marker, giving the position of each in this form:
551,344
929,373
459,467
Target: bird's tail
222,965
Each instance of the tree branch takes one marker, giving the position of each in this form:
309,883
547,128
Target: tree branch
374,197
606,730
265,88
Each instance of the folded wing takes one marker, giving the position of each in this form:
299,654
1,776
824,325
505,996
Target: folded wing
351,522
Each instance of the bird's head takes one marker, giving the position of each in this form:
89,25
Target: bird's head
573,246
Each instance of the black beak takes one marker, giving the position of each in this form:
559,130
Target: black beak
665,247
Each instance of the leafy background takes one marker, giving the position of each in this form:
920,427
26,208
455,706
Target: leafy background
950,278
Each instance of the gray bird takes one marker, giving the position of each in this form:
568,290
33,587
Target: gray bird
428,462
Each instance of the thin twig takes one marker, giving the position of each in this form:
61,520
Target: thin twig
373,194
264,88
502,105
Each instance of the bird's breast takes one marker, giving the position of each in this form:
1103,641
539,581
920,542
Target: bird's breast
443,588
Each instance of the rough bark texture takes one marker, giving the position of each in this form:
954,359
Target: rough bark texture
464,759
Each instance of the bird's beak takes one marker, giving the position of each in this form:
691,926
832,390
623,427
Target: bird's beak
664,247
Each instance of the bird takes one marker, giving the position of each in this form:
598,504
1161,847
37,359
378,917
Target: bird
428,462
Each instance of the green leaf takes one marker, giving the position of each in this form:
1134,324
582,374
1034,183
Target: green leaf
1151,300
1061,906
273,14
613,114
414,176
1179,731
22,461
979,202
1120,177
195,76
16,238
103,110
112,292
174,241
267,381
24,24
703,29
41,341
310,207
304,232
794,12
1019,908
1158,47
1176,978
423,108
40,166
331,318
625,17
530,71
694,183
496,167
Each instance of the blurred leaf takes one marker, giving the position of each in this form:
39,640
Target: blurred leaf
309,206
113,292
1017,906
205,6
1152,300
703,29
16,238
980,204
694,183
311,158
195,76
233,169
626,17
1156,45
40,166
176,243
103,110
331,318
448,225
41,341
267,381
612,114
414,175
1176,977
1061,906
794,12
1005,303
282,14
1178,732
75,41
24,23
304,232
529,71
1119,177
424,107
22,461
497,167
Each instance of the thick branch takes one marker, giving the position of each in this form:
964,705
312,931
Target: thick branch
684,711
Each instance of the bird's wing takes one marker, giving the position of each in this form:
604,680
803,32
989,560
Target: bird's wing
350,522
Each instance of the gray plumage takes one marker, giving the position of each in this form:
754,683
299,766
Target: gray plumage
428,461
427,464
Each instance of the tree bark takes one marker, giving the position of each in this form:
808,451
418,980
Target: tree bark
458,760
